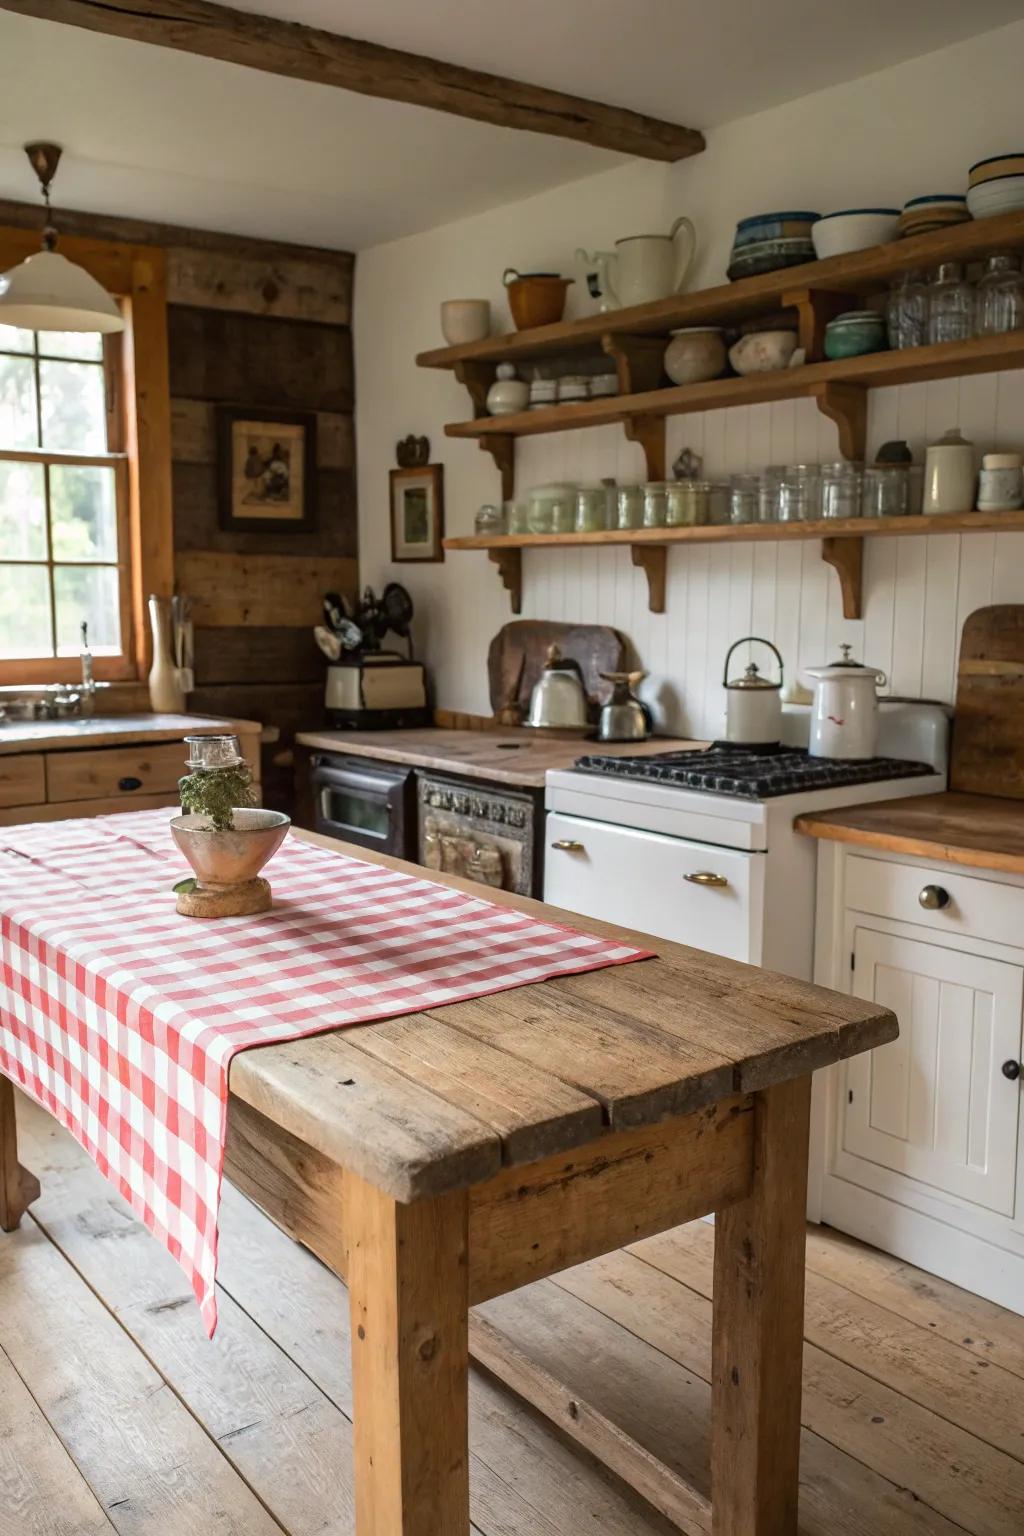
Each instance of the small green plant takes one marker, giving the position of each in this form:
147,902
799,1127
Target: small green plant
214,792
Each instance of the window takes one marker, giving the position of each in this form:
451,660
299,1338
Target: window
63,499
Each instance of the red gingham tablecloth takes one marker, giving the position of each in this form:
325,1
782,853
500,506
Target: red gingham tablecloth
120,1017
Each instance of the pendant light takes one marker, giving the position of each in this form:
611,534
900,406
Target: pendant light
46,292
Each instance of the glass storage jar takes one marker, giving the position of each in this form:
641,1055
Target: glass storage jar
950,304
686,504
886,491
718,502
591,509
841,489
552,508
999,297
744,498
906,312
517,516
800,493
630,513
768,493
489,519
655,507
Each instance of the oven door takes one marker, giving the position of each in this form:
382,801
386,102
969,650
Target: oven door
364,802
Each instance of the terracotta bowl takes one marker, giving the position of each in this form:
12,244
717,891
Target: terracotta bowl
222,859
538,300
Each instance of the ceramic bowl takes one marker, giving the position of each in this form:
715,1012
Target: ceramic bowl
535,298
855,334
763,351
999,196
768,256
695,354
853,229
464,320
227,858
995,167
773,226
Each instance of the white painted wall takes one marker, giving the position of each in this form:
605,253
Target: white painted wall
914,128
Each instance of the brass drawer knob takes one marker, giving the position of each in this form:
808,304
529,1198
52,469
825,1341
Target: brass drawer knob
568,845
706,877
934,898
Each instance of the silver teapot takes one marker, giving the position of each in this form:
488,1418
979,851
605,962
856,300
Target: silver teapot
624,718
558,698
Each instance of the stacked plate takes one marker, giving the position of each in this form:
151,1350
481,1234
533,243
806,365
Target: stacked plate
766,242
936,210
996,185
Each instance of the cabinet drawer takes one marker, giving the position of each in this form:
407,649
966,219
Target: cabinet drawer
22,779
115,772
980,908
639,879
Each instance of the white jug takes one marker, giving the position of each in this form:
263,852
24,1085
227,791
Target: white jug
643,268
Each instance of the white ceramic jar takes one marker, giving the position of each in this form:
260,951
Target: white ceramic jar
1000,484
844,716
949,474
507,394
465,320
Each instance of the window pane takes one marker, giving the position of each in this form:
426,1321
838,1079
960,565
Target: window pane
88,593
14,339
83,512
24,612
18,427
74,410
22,511
87,346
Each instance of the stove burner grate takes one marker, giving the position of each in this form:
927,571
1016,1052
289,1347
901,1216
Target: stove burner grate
761,774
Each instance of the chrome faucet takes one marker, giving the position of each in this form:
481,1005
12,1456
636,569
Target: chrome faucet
88,681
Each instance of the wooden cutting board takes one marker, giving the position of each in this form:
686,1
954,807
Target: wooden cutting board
988,731
518,651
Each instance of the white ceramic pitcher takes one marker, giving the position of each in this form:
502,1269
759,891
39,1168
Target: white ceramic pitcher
643,268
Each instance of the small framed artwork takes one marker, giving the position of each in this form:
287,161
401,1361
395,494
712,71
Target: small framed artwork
267,462
417,512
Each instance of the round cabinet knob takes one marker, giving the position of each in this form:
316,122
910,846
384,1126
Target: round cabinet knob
130,782
568,845
706,877
1011,1069
934,898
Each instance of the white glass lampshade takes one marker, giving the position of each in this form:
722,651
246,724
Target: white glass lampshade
46,292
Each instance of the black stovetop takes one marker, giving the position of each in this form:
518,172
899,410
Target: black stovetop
757,773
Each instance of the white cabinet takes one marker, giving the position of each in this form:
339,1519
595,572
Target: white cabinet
934,1105
917,1145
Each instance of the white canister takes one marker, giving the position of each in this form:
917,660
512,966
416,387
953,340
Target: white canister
844,716
949,474
507,394
753,708
1000,484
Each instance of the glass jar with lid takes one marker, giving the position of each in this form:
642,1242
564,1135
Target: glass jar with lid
950,304
906,312
517,515
999,297
886,490
799,495
655,503
718,502
630,506
552,508
744,498
841,489
768,493
489,520
686,503
591,509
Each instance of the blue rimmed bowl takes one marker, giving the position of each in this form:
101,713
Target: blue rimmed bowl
854,229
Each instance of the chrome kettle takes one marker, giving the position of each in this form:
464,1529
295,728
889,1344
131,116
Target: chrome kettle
558,699
624,718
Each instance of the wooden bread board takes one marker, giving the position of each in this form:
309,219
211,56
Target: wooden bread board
516,656
988,731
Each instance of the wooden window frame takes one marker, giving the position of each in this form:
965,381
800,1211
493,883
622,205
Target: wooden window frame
139,426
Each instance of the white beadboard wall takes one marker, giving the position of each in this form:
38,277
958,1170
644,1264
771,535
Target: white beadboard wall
917,590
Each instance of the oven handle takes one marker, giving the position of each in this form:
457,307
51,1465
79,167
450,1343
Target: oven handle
706,877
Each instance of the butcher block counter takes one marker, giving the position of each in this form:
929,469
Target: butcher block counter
980,831
512,755
91,766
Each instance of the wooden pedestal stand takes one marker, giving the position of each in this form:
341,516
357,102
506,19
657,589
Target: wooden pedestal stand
242,900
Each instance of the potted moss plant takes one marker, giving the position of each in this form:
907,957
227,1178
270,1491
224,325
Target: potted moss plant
223,835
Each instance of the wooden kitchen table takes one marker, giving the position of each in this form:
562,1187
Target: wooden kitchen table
440,1159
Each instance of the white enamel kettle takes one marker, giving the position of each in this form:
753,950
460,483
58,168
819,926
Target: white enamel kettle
643,268
753,711
844,716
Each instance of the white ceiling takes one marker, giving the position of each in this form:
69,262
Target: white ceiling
158,134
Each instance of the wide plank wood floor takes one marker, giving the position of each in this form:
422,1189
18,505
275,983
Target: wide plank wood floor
118,1416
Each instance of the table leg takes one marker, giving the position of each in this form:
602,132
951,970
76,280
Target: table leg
18,1187
409,1301
757,1349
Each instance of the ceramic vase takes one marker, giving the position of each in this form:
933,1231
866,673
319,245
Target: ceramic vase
166,696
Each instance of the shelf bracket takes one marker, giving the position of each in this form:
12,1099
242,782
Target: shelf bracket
649,432
510,569
815,308
846,557
478,378
652,560
502,448
639,361
847,406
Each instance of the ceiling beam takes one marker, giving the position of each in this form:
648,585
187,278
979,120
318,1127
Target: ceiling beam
326,58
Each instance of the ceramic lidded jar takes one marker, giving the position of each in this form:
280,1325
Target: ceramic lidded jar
507,394
949,474
695,354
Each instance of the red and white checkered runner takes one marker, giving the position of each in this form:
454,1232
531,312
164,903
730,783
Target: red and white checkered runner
120,1017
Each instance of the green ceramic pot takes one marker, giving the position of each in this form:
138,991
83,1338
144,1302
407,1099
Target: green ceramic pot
854,334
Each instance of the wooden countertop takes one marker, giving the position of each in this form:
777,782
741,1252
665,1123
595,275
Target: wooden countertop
980,831
110,731
512,755
424,1104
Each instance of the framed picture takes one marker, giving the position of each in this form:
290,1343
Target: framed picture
417,512
267,462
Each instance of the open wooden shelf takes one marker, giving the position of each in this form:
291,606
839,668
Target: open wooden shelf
842,545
